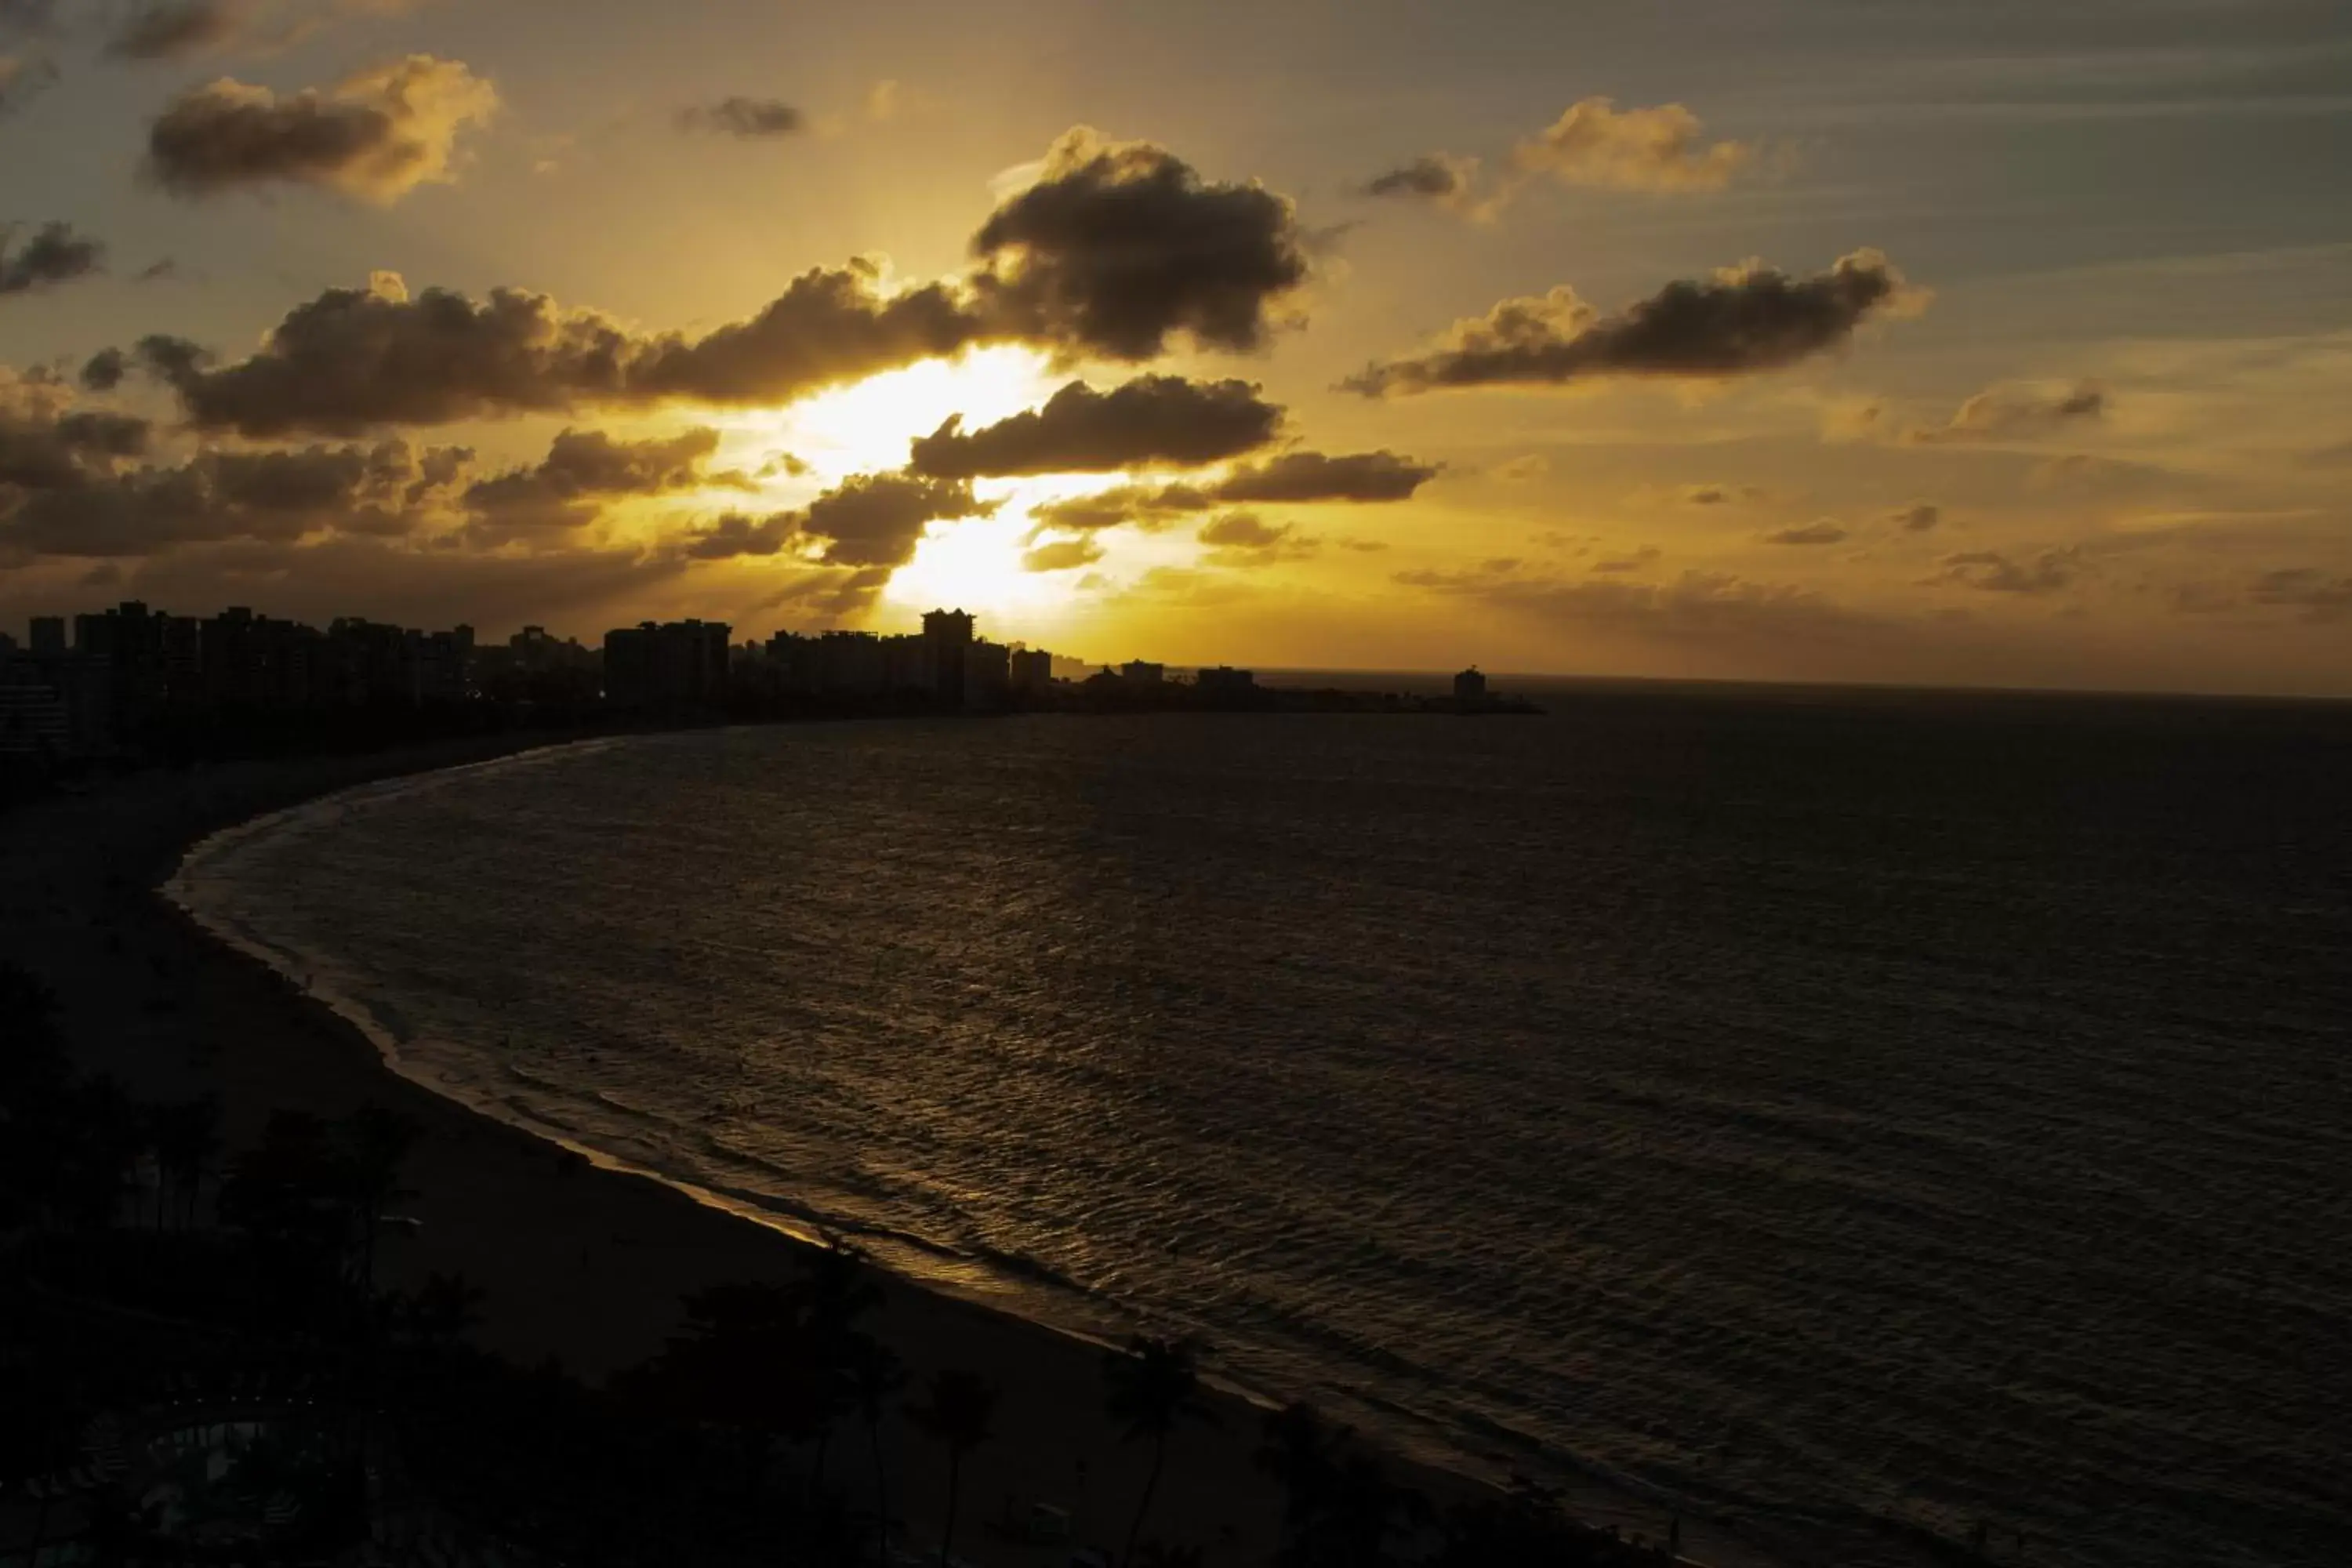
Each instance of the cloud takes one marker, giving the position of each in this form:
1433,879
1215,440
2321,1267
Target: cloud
170,29
354,359
1120,246
377,135
1641,559
1305,477
1822,531
104,370
1152,420
584,469
1917,518
1520,470
2050,572
1062,556
408,581
1719,495
749,118
1596,144
1244,539
44,446
2319,597
1700,607
22,80
736,535
2017,413
277,495
1148,507
1442,180
1742,321
55,255
876,520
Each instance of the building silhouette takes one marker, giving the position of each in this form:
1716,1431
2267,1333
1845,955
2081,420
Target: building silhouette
1470,689
679,666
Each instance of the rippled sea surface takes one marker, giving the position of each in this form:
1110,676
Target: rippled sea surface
1855,1116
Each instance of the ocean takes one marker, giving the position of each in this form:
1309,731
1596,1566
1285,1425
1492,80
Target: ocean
1852,1115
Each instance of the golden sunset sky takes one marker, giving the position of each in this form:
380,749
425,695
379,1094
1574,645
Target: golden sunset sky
1988,343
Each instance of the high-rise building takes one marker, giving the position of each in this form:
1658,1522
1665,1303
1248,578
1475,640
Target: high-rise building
679,666
1226,684
48,636
1030,671
1142,672
1470,688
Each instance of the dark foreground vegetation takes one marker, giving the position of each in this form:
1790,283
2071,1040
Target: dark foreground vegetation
198,1365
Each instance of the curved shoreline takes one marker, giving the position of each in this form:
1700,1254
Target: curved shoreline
508,1204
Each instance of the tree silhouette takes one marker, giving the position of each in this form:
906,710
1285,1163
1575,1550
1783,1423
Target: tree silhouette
375,1143
1154,1385
958,1408
187,1140
874,1375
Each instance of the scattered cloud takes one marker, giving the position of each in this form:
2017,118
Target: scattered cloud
1697,607
376,135
745,118
1520,470
1306,477
1641,559
1153,420
2049,571
2017,413
582,470
24,78
1120,246
1742,321
1917,518
173,30
2318,595
1719,495
1062,556
1244,539
275,496
736,535
1595,143
104,370
55,255
1822,531
876,520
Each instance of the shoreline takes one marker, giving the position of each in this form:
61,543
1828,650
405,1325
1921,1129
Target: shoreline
585,1255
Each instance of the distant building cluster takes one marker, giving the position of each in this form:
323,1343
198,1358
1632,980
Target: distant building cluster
133,682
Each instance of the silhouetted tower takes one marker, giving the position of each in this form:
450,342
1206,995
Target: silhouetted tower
1470,689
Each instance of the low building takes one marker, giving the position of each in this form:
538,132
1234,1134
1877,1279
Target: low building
1226,683
1142,672
1030,671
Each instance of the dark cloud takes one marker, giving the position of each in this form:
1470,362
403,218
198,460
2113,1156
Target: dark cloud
738,534
377,135
2049,571
831,326
1434,177
54,253
276,496
574,588
1700,608
1148,507
1061,556
46,446
748,118
2018,414
584,469
1822,531
1120,246
169,29
1641,559
1153,420
355,359
27,18
2317,595
1304,477
104,370
876,520
23,79
1244,539
1917,518
1742,321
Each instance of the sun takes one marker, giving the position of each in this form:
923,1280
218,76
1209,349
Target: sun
867,428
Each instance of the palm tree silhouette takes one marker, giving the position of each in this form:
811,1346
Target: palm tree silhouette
958,1409
874,1375
1154,1385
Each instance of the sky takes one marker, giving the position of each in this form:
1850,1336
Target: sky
1993,344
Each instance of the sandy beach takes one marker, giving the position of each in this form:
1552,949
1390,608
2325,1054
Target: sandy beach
581,1263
